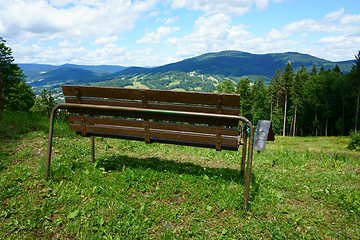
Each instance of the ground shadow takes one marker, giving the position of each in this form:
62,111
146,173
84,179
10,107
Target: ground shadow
118,163
161,165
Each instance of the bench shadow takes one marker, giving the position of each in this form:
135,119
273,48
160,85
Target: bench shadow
118,163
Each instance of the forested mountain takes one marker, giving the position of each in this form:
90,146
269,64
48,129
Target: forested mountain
210,66
44,74
239,64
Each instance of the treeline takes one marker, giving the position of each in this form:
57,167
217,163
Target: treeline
313,102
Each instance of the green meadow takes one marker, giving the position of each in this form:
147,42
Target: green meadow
301,187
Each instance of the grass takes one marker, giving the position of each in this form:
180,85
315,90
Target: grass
303,187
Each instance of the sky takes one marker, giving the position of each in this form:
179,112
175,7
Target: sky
158,32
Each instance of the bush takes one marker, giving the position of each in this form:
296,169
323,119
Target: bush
355,141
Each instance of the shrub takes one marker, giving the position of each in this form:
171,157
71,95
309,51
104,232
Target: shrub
355,141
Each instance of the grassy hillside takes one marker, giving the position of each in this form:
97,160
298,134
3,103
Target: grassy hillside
301,188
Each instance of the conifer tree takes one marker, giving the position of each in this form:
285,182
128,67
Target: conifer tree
243,88
15,95
297,93
286,82
356,76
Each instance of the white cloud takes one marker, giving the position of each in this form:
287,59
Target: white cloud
58,31
275,34
350,19
69,44
156,37
105,40
237,7
336,47
334,15
171,20
333,22
261,4
345,27
74,19
215,33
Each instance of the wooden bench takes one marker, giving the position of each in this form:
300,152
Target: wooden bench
209,120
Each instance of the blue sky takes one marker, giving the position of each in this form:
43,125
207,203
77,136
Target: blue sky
157,32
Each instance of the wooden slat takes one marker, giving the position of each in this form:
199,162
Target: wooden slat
160,106
153,140
107,121
192,128
156,116
165,135
138,132
231,100
155,125
187,137
106,102
192,108
103,92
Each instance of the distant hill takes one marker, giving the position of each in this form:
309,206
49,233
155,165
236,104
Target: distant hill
47,73
238,64
206,71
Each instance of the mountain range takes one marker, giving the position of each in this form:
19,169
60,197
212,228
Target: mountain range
219,65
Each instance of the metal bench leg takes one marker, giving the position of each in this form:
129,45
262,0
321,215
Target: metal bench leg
248,168
243,158
92,148
51,128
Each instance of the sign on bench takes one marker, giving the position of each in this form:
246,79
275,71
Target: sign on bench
209,120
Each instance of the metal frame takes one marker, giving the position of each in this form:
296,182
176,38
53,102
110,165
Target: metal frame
166,112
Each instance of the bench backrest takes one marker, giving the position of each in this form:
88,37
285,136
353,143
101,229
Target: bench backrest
152,127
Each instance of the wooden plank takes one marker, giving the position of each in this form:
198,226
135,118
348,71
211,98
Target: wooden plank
153,140
193,108
106,102
107,121
138,132
155,125
192,128
230,100
103,92
164,135
156,116
160,106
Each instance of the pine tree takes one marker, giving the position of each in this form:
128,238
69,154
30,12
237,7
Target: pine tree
259,109
5,59
297,93
243,88
15,95
356,74
286,82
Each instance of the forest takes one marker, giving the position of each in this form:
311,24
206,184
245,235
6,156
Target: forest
309,102
315,102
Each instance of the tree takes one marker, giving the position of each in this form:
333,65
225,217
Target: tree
274,89
259,109
243,88
15,95
44,103
225,87
286,82
297,93
337,69
5,59
356,76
